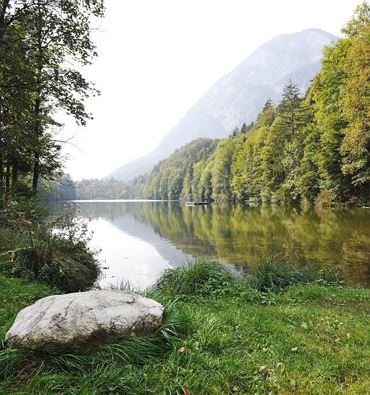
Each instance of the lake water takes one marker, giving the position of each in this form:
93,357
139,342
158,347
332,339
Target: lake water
140,239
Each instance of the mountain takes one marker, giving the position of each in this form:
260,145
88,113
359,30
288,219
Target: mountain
240,95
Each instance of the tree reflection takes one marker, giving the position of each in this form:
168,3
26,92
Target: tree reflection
241,235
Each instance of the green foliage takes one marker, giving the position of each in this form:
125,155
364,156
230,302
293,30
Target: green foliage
62,189
43,45
221,170
330,120
14,213
203,278
355,101
341,99
91,189
54,253
308,339
274,274
206,278
173,178
304,149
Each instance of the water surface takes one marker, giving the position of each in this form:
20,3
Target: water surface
141,239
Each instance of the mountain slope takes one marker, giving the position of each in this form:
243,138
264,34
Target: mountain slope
239,96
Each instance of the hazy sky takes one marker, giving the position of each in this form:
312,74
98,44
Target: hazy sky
158,57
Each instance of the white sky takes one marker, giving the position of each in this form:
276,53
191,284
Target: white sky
158,57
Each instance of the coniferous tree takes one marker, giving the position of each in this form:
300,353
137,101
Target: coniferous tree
267,105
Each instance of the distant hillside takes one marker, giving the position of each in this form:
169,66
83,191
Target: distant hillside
239,96
167,179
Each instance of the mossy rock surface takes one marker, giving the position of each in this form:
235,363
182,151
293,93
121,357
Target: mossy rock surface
72,275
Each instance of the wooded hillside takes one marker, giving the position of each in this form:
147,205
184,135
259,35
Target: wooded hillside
304,149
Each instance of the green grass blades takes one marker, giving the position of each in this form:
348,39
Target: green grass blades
273,274
309,337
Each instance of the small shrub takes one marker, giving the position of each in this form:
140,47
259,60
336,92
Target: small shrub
57,254
70,268
14,212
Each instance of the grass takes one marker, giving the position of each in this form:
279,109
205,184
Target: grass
201,277
222,334
206,278
15,294
55,253
272,274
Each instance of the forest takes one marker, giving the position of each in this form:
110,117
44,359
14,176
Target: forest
306,149
311,148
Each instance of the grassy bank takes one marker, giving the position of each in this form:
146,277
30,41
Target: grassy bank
283,333
36,248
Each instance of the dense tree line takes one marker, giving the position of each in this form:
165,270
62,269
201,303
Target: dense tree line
63,188
43,44
305,149
180,175
105,189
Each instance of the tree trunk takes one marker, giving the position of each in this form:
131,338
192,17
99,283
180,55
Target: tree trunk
7,177
37,129
14,175
3,9
1,176
37,133
4,4
36,172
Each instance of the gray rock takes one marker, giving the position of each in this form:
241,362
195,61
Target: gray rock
83,321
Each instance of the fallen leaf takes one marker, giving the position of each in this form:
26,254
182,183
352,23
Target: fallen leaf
23,376
185,391
337,339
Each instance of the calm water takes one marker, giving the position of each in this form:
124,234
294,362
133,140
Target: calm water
141,239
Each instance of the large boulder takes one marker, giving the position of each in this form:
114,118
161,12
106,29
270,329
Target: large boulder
80,322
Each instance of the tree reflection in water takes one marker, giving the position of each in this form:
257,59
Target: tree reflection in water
242,235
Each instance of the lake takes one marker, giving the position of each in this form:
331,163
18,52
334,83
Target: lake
140,239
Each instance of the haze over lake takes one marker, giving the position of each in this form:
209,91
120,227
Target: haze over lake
140,239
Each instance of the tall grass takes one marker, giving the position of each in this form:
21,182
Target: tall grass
201,277
136,350
272,274
204,278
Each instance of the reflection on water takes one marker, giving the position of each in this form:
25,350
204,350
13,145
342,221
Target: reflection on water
141,239
128,257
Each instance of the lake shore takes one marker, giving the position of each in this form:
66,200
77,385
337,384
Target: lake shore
223,336
169,233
